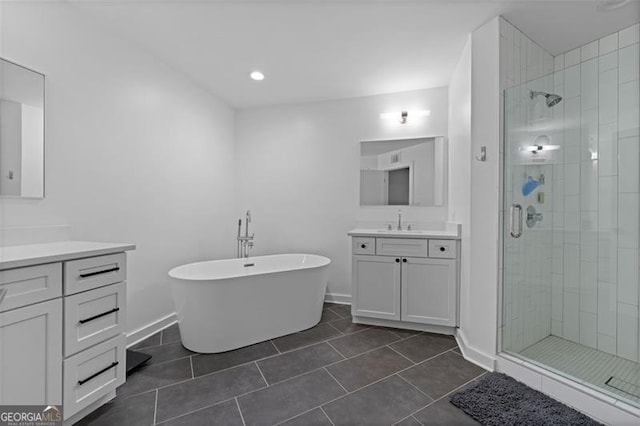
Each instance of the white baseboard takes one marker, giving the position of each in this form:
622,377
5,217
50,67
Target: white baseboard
604,408
150,329
344,299
478,357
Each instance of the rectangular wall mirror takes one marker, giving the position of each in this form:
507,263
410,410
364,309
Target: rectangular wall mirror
403,172
21,131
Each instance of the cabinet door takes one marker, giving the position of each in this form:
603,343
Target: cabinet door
31,354
376,292
429,291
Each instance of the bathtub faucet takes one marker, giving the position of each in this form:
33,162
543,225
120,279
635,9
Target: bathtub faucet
244,242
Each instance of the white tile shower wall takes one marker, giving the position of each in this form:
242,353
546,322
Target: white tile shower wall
596,196
529,312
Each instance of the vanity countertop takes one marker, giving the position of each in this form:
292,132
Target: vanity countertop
417,233
33,254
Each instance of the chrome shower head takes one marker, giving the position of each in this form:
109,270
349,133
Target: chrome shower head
550,98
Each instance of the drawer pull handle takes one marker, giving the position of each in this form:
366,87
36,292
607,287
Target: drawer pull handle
442,249
99,315
404,260
363,246
113,364
104,271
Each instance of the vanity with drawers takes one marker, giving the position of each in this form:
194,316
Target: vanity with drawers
405,279
62,324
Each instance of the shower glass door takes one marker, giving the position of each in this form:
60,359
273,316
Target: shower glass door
571,223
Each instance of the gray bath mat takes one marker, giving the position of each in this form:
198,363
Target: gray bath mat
497,399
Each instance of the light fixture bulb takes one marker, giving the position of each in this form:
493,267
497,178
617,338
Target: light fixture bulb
257,76
403,116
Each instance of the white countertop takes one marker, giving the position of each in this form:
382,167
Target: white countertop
33,254
417,233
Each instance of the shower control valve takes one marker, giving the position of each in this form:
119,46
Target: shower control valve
533,217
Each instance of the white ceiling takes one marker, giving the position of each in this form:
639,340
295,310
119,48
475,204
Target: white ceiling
314,50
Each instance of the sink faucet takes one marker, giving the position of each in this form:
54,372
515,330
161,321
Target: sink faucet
399,219
244,242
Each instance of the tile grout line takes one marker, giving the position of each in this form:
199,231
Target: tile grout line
336,380
329,324
275,347
261,375
240,411
155,408
339,353
402,355
193,376
416,388
327,416
416,420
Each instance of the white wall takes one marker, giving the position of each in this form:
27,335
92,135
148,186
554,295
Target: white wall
134,151
460,156
298,170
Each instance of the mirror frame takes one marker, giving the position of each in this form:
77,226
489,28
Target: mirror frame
44,135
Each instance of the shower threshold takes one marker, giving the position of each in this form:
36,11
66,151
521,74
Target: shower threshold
607,373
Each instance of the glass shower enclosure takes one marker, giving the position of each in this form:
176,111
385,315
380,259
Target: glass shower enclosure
571,223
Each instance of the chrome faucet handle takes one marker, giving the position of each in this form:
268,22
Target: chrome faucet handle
409,227
389,227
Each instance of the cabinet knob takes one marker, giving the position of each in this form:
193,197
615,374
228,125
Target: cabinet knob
404,260
363,246
397,260
442,249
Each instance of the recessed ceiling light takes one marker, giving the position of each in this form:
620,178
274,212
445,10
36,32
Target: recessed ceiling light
256,75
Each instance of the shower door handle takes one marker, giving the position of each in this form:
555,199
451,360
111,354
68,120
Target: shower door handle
516,209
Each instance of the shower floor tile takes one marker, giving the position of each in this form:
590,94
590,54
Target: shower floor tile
333,373
588,366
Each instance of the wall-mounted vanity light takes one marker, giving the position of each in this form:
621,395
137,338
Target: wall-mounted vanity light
403,116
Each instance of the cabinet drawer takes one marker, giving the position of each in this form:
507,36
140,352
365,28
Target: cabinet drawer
93,373
93,272
364,245
412,247
93,316
33,284
442,249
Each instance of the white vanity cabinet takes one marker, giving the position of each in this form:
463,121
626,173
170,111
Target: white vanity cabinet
62,323
405,282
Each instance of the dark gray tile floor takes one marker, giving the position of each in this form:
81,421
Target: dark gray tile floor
336,373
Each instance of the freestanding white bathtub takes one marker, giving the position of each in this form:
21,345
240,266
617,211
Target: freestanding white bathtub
227,304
